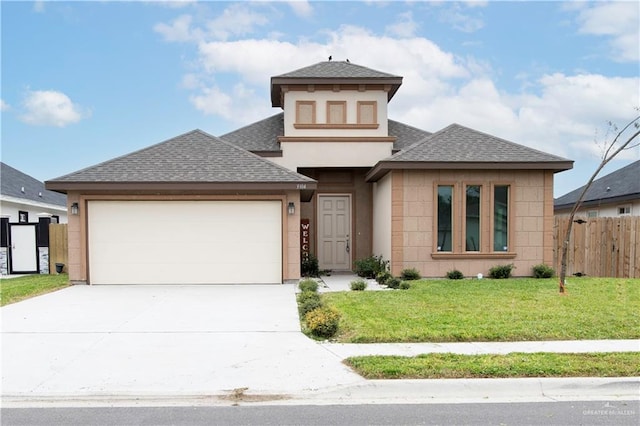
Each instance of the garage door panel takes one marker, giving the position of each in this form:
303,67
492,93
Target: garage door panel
190,242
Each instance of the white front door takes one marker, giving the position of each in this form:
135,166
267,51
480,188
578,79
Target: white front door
23,249
334,232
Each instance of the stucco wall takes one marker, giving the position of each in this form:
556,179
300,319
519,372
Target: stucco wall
10,209
531,222
321,97
382,217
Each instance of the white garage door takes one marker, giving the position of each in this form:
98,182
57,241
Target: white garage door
185,242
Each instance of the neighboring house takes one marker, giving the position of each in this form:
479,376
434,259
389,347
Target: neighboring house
613,195
202,209
25,208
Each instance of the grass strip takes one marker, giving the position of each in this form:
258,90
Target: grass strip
13,290
519,309
516,364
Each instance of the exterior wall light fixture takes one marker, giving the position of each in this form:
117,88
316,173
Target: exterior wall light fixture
74,208
291,208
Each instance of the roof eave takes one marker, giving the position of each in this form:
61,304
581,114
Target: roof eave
66,186
595,202
383,167
278,82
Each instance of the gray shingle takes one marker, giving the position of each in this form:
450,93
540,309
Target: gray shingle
336,69
259,136
192,157
622,183
13,180
456,143
262,135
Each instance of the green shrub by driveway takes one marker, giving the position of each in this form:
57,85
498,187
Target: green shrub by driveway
17,289
515,309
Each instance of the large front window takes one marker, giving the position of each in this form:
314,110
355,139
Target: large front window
472,218
500,218
445,219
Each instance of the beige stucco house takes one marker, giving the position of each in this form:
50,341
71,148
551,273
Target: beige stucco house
331,174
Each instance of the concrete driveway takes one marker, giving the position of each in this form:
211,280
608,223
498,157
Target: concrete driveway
159,341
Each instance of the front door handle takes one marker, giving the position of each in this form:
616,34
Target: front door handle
348,244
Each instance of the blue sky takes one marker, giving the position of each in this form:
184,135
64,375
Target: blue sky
83,82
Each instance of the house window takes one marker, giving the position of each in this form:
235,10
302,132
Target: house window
445,217
23,217
55,218
305,112
624,210
472,218
592,213
336,112
367,112
500,218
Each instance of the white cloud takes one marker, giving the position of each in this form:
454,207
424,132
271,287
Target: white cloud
4,106
179,30
618,20
50,108
556,113
301,8
460,19
38,6
404,26
237,19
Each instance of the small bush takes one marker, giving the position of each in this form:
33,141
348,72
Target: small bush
394,282
455,275
308,285
323,322
309,266
370,267
405,285
543,271
410,274
383,277
358,285
308,295
501,271
309,305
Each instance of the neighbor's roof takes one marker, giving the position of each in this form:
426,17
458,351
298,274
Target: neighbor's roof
262,136
16,184
621,185
333,72
456,147
194,160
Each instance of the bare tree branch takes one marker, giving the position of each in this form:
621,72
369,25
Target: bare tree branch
607,157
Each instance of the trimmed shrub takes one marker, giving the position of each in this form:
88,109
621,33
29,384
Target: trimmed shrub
405,285
358,285
455,275
394,282
309,266
370,267
308,295
410,274
308,305
383,277
501,271
323,322
308,285
543,271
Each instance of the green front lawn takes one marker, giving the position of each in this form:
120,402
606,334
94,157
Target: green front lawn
453,366
16,289
518,309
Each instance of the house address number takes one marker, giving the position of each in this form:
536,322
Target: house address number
301,186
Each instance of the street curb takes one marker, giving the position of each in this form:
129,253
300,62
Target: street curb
434,391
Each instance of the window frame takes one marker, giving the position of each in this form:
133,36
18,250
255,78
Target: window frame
487,226
344,112
374,104
300,103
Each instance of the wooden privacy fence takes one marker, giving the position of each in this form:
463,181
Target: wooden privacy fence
601,247
58,246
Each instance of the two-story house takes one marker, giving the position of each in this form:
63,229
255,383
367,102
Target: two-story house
202,209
